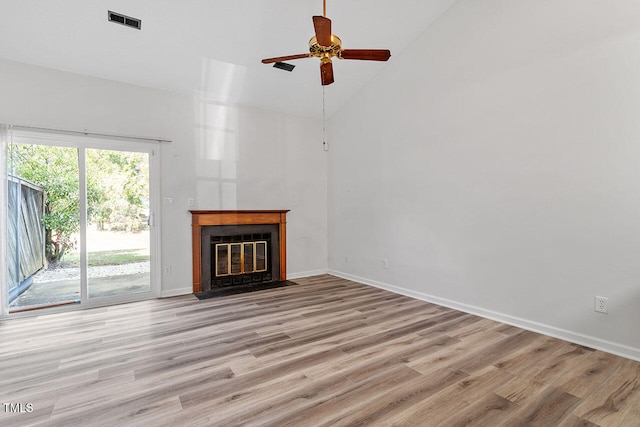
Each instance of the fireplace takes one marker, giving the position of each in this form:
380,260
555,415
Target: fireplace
232,248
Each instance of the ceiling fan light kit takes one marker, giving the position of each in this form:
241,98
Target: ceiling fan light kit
326,46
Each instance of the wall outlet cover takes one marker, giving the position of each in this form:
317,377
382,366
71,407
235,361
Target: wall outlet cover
601,304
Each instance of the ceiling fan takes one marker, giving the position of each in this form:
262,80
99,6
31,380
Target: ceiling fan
326,46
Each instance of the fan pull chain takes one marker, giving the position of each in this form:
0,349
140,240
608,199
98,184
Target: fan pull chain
325,146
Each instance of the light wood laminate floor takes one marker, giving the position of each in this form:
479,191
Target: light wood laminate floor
324,352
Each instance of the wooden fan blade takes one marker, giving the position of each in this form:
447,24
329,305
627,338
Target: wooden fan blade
322,26
285,58
326,73
366,54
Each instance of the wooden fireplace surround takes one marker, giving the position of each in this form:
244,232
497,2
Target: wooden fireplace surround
201,219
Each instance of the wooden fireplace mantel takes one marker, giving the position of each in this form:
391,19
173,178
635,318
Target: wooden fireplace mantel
201,218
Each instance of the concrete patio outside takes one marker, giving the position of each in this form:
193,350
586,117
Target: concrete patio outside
68,290
62,285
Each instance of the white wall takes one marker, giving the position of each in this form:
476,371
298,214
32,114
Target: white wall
496,165
223,157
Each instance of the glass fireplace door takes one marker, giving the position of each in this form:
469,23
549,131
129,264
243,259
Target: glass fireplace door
240,258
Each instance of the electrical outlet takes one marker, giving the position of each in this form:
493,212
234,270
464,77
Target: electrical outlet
346,258
385,263
167,270
601,304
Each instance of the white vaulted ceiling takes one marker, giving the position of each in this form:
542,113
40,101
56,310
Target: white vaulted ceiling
213,48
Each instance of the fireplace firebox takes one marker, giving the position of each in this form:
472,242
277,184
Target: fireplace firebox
239,255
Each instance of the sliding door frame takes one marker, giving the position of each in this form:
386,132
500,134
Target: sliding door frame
4,286
83,143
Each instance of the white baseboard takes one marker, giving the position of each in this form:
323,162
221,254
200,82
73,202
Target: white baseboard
298,275
176,292
563,334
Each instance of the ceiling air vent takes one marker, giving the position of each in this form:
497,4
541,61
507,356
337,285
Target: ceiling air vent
125,20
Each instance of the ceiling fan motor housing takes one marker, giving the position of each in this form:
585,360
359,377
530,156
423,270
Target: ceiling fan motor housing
325,52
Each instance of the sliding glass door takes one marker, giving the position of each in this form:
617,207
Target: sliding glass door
43,218
118,222
79,221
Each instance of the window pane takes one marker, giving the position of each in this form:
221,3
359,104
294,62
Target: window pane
118,235
222,260
236,258
248,257
43,225
261,256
